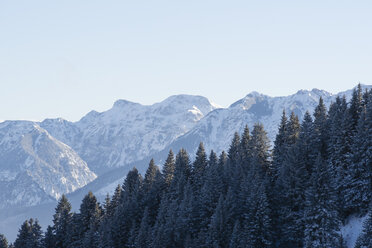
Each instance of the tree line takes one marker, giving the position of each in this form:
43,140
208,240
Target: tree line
295,195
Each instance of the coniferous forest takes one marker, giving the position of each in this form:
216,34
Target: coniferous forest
296,194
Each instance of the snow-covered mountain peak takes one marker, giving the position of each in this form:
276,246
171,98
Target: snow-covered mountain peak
122,103
130,131
180,103
321,93
89,117
50,167
250,100
254,94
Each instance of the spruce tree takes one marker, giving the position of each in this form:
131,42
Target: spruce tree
222,159
321,129
23,235
143,238
30,235
168,169
293,129
237,240
90,212
245,152
321,220
211,189
49,238
338,148
163,231
260,147
182,174
186,222
199,167
288,198
106,205
152,191
357,193
61,220
257,221
3,241
128,213
37,237
74,234
365,238
114,203
233,153
356,107
91,238
280,146
217,236
232,210
150,176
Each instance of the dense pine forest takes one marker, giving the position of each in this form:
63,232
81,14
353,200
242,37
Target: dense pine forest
297,194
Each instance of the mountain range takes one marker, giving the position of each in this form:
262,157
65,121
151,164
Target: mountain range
40,161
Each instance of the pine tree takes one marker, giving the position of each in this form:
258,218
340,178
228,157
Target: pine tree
3,241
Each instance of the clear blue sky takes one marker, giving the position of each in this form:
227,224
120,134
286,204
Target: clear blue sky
65,58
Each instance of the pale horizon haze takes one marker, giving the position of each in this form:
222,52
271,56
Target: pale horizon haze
66,58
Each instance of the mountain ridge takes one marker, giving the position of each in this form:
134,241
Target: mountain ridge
130,134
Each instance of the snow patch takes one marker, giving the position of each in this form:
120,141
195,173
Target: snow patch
352,229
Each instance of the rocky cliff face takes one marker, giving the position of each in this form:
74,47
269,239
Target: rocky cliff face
35,167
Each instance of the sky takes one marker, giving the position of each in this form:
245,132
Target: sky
66,58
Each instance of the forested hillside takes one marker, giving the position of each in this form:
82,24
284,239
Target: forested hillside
297,194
